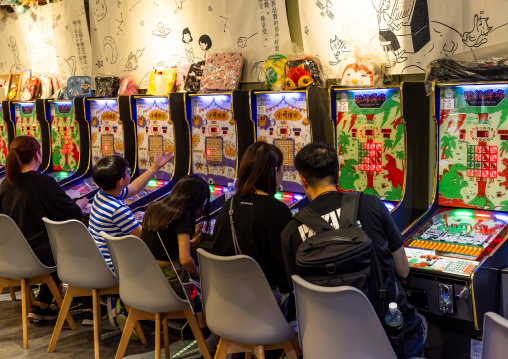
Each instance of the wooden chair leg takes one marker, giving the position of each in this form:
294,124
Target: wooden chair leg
126,335
13,294
140,332
99,314
289,349
157,335
96,315
24,313
69,295
166,338
198,334
259,352
58,297
222,349
248,355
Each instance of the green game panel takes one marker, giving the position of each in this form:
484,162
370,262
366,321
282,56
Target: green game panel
26,121
4,140
64,137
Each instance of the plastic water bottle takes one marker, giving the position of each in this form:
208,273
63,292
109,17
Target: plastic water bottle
395,328
160,84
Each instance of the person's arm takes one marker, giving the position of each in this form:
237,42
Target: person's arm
60,207
124,220
137,231
288,253
198,233
184,254
139,183
400,263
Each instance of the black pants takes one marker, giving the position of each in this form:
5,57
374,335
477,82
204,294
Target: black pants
44,254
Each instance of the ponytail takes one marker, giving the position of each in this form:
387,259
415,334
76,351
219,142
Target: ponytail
22,150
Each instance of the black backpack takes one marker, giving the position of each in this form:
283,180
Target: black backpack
345,256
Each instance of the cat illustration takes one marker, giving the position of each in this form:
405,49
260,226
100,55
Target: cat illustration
337,45
478,35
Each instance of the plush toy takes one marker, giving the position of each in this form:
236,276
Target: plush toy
302,73
357,73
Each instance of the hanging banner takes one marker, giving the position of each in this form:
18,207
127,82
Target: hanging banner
131,37
407,33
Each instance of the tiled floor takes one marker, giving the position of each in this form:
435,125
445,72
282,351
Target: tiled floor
75,344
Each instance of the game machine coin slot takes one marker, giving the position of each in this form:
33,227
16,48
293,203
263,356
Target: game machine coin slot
161,127
112,134
70,140
290,120
382,140
455,257
221,131
7,132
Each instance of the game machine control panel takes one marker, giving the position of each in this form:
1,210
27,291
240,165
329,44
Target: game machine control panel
455,257
161,127
112,133
70,140
7,132
221,131
381,145
290,120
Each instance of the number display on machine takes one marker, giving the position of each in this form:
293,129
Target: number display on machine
107,131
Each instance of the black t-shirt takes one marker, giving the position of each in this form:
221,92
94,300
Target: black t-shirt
259,221
34,196
169,237
376,223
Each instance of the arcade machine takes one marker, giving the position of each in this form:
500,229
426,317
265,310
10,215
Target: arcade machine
161,127
221,131
290,120
70,140
382,138
6,135
112,133
455,257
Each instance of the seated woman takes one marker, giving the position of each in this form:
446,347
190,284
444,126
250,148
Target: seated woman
259,218
27,196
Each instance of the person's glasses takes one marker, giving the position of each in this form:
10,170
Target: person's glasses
129,171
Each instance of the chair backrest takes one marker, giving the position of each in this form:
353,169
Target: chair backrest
338,322
142,283
78,259
238,301
17,260
495,336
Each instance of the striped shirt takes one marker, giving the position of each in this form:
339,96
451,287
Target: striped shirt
111,215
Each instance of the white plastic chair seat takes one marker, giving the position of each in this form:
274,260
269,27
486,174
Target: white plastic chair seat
495,337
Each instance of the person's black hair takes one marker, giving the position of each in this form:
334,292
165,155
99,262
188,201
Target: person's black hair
108,171
22,150
258,169
318,162
191,193
186,31
205,39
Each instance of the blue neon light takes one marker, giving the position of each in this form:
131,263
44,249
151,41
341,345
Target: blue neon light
389,205
482,87
99,102
501,217
298,197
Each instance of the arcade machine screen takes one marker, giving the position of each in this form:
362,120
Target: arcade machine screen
282,120
107,140
214,141
4,141
26,120
371,143
156,135
65,140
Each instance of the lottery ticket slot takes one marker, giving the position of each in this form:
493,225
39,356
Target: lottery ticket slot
456,255
6,135
382,139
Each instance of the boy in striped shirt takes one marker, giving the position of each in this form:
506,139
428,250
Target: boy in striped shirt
109,211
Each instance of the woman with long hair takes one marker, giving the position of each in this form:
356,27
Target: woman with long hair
27,196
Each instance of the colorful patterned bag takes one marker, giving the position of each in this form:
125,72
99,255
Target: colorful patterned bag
31,89
274,72
79,86
193,81
222,72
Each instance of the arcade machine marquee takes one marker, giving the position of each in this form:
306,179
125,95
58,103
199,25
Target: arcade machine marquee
455,256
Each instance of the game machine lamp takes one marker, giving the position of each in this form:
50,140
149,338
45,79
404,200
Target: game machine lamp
161,127
70,139
7,130
455,257
221,131
290,120
382,140
112,134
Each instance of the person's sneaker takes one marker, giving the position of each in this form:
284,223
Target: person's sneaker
114,307
121,319
87,318
211,342
39,314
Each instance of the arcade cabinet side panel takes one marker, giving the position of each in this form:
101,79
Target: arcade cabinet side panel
11,131
85,134
40,110
246,129
129,131
182,135
319,115
415,110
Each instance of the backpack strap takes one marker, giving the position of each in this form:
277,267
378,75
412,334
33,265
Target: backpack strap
313,220
349,209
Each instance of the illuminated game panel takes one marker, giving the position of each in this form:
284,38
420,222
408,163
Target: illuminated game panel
64,136
282,120
370,142
26,121
82,188
4,139
214,147
107,131
473,142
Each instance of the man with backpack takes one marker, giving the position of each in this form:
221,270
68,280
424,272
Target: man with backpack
363,249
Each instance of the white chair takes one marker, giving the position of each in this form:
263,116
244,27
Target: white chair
145,289
82,267
240,307
339,323
19,266
495,337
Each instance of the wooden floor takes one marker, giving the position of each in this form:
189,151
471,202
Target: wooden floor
75,344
